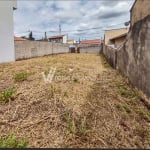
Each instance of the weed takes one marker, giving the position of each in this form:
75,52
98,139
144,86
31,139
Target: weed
81,128
127,109
11,141
54,91
118,106
142,132
104,61
75,126
21,76
75,80
143,114
6,95
78,69
46,72
132,102
69,123
65,94
61,73
125,91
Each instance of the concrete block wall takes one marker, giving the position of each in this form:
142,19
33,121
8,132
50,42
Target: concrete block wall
139,11
137,51
29,49
133,58
111,55
90,49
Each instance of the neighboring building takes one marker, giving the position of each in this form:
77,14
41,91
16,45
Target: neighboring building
7,52
139,10
110,34
19,39
118,40
91,42
90,46
71,41
58,39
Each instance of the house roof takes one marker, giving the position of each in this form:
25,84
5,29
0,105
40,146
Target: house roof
133,5
119,36
19,39
115,29
56,36
94,41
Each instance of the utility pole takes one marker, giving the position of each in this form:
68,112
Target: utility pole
79,40
52,48
45,37
59,29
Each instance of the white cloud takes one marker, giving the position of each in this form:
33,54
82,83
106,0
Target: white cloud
41,16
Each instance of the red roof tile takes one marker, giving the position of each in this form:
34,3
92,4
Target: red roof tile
94,41
56,37
19,39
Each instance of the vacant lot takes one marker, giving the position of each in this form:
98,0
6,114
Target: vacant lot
87,104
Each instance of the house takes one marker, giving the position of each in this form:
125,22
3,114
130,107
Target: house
91,42
113,33
58,39
118,40
90,46
6,30
71,41
19,39
139,10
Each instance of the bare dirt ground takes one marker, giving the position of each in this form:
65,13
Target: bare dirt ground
88,104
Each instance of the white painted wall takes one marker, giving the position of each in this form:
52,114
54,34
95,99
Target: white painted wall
65,39
7,52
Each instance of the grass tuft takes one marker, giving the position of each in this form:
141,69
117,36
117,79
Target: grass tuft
125,91
6,95
75,124
10,141
127,109
21,76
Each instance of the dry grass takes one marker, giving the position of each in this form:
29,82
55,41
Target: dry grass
96,108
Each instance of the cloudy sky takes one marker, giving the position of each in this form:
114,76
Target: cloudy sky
84,19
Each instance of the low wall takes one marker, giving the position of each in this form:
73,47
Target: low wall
133,58
90,49
29,49
111,55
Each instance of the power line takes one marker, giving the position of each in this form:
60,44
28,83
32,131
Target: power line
77,30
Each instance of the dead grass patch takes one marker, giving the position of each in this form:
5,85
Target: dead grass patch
97,110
